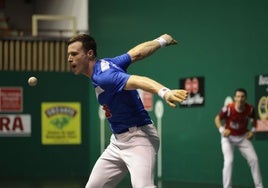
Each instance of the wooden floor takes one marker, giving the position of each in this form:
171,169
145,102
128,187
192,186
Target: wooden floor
80,183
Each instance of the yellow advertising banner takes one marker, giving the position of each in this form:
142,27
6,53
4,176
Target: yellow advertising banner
61,122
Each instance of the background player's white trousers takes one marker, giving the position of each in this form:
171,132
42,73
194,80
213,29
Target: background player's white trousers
133,151
247,150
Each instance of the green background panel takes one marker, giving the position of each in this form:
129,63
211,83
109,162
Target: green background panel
223,41
26,156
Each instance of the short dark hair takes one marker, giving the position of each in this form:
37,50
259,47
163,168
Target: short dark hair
241,90
88,42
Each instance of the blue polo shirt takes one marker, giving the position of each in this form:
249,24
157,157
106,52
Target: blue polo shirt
123,108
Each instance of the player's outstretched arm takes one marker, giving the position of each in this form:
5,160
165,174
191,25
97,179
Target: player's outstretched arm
170,96
147,48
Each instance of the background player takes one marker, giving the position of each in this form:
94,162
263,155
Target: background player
235,134
134,142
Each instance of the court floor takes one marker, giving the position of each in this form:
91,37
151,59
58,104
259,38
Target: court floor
80,183
177,184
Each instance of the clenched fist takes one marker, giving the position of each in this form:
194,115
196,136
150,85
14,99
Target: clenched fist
169,39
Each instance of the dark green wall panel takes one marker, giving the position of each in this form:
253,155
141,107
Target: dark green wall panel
27,156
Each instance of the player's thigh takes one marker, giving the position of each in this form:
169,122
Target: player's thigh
227,149
108,171
247,150
141,165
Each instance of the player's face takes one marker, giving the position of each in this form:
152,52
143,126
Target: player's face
240,98
78,58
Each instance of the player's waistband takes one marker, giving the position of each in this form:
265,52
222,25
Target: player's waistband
130,129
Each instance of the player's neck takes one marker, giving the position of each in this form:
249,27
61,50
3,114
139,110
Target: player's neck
90,68
239,107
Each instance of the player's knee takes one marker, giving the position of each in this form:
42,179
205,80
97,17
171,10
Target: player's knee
253,161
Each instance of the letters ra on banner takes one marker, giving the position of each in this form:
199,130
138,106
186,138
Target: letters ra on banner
15,125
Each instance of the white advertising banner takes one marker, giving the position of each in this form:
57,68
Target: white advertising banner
15,125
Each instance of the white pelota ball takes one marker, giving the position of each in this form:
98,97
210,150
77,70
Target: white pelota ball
32,81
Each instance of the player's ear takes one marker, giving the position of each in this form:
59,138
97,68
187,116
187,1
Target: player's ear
90,53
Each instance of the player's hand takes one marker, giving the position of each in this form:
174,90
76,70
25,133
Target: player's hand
176,95
226,132
169,39
250,135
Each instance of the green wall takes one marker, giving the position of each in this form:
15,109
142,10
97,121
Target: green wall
223,40
26,156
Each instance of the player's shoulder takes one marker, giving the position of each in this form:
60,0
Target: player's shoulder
101,73
231,105
249,106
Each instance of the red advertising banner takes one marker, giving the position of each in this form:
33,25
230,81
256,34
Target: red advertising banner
11,99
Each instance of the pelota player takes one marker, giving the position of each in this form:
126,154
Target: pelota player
232,122
134,142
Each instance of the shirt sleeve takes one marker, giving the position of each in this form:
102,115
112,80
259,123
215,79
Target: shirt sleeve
253,116
113,77
117,81
223,113
253,113
122,61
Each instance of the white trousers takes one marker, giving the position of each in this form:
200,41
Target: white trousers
247,150
133,151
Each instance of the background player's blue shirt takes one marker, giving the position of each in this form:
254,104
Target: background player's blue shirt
123,108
